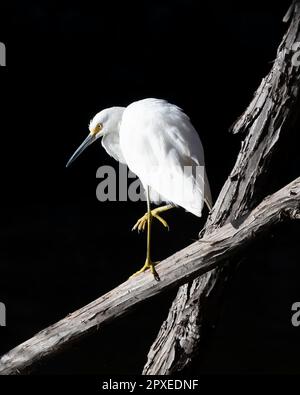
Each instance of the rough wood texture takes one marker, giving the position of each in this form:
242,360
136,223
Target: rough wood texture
185,265
267,116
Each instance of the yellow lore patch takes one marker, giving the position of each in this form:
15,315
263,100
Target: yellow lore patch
97,129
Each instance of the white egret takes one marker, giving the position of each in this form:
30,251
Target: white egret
160,145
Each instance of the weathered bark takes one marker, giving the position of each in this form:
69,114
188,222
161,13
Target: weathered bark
268,115
195,259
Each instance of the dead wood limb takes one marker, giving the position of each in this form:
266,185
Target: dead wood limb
185,265
268,115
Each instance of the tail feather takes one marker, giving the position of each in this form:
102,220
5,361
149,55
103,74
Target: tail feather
209,204
207,193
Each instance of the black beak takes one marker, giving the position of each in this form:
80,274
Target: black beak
88,141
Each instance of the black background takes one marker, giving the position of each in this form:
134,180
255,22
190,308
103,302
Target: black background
61,248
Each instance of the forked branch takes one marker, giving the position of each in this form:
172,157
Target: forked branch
268,116
183,266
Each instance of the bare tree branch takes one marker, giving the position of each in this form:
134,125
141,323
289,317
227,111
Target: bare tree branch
268,115
231,226
186,264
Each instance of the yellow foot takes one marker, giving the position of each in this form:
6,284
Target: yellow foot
141,223
148,265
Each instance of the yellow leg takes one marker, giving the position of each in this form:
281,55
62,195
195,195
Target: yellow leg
141,223
148,263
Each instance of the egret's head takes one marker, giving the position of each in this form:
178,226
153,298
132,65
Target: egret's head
105,122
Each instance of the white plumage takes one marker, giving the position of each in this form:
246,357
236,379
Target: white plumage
160,145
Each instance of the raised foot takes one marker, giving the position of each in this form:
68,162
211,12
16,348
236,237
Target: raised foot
141,223
148,265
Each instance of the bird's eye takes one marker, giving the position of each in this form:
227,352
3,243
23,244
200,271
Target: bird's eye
97,128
